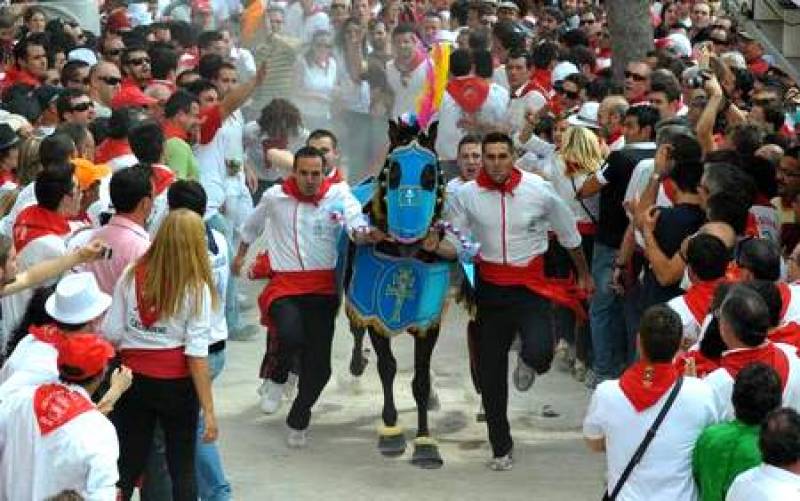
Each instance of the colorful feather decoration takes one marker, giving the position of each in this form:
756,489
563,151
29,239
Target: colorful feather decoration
430,97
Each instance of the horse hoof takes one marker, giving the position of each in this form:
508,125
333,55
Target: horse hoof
392,442
358,363
426,454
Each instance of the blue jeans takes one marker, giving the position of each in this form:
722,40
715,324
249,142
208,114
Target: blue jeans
607,317
222,225
211,482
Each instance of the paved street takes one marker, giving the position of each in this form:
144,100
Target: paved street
341,462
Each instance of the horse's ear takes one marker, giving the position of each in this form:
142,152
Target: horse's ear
428,138
395,134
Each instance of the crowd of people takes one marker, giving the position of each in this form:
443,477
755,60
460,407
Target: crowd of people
642,233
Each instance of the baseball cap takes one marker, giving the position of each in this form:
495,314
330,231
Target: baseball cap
130,95
88,172
83,355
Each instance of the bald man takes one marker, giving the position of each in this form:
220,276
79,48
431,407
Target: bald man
105,80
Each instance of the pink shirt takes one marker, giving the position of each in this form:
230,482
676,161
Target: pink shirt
128,242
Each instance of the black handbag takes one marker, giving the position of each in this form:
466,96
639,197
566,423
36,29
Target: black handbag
651,434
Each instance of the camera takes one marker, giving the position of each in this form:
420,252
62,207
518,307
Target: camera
699,80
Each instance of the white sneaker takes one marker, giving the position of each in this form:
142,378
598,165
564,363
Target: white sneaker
504,463
271,397
290,388
263,388
297,439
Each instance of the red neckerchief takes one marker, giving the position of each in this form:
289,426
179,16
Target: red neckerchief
786,297
335,176
110,149
131,82
511,182
47,333
670,189
55,405
768,353
613,137
542,79
16,76
733,273
751,226
418,58
468,92
148,313
171,129
604,53
34,222
290,188
788,334
162,179
645,383
82,217
758,67
7,176
698,298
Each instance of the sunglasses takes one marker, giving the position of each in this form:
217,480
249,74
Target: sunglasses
84,81
112,81
139,61
635,76
84,106
113,52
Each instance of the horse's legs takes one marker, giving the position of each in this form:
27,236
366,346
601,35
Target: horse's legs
387,368
426,450
421,385
358,362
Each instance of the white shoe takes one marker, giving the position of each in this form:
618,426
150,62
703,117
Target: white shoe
290,388
297,439
271,397
504,463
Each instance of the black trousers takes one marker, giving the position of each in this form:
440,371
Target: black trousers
504,312
304,325
173,404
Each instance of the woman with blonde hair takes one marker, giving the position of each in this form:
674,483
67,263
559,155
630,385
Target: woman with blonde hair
29,164
160,321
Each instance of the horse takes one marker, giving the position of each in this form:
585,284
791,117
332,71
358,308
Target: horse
396,286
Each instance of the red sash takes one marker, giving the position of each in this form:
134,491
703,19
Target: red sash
55,405
645,383
698,298
294,283
35,222
484,181
768,353
262,267
558,290
468,92
290,188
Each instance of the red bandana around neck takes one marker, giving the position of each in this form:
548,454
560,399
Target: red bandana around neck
768,353
511,182
162,178
670,189
110,149
469,92
786,298
55,405
48,333
35,222
645,383
787,334
417,59
698,298
148,313
291,188
335,176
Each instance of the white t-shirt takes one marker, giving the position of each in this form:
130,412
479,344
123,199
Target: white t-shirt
80,454
32,363
665,471
220,271
765,483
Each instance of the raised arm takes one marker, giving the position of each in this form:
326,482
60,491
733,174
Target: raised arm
242,92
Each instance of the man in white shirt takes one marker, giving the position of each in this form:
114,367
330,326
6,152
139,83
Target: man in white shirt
304,18
509,213
525,96
53,438
779,477
406,73
623,410
743,325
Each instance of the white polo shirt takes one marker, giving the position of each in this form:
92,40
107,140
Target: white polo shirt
765,483
665,471
80,454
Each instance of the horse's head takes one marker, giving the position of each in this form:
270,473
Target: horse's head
411,185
